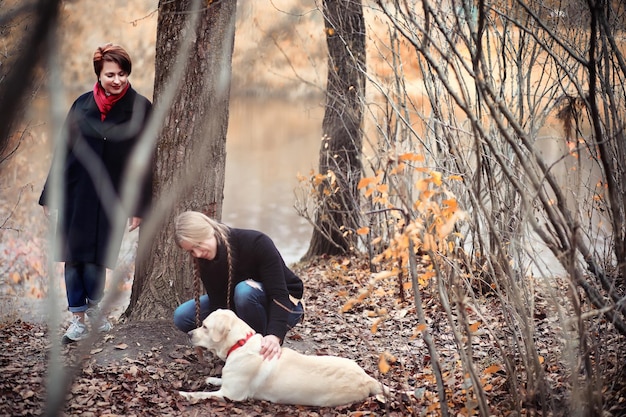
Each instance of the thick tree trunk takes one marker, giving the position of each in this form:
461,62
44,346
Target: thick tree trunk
341,148
191,152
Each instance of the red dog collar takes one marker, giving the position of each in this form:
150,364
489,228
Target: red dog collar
239,344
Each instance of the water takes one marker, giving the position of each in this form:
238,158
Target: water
270,142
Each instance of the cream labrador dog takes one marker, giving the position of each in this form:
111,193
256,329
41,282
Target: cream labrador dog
294,378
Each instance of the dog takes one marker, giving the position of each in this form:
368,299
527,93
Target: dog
294,378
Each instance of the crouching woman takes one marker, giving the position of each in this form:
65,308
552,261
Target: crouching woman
243,271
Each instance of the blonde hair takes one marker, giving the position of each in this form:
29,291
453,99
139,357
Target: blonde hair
196,227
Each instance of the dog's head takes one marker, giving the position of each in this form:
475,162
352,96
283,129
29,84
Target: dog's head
219,332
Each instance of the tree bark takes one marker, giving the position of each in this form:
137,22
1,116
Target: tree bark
191,151
337,217
26,29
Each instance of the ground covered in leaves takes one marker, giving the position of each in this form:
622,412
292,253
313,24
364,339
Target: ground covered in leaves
138,368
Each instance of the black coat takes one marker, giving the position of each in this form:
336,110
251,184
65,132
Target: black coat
253,256
85,228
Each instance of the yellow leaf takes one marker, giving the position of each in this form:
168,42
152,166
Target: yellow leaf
541,359
383,365
492,369
455,178
16,278
421,327
436,177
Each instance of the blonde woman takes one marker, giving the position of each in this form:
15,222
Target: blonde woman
243,271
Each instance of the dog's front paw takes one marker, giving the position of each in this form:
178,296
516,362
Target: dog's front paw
214,381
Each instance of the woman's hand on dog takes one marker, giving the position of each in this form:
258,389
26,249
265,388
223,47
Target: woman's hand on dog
270,347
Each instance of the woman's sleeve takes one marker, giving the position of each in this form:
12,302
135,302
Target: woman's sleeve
63,148
272,276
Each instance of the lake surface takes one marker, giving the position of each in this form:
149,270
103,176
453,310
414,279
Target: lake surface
270,142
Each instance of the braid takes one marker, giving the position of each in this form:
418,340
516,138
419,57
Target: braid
229,260
197,289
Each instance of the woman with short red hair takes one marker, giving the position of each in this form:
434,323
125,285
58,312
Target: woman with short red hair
101,130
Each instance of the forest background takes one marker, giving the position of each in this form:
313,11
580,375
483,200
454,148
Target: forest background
486,268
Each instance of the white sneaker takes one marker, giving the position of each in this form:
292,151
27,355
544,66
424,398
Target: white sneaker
77,331
95,315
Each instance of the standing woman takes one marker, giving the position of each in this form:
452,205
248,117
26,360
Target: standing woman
101,130
241,270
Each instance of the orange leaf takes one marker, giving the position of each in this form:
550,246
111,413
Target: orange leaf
365,182
382,188
474,327
383,274
411,157
492,369
398,169
348,305
374,328
383,365
362,230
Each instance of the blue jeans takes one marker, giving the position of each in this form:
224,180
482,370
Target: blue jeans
84,285
251,305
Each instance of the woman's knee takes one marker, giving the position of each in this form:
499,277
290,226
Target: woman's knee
248,290
185,314
182,320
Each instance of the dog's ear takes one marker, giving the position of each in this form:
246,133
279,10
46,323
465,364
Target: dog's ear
218,328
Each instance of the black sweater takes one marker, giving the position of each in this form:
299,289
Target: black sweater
253,256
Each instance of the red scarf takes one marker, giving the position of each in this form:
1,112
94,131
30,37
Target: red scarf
105,102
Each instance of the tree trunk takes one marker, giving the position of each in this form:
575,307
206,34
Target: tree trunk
337,217
191,152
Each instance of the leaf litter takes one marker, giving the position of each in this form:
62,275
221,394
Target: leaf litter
138,368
